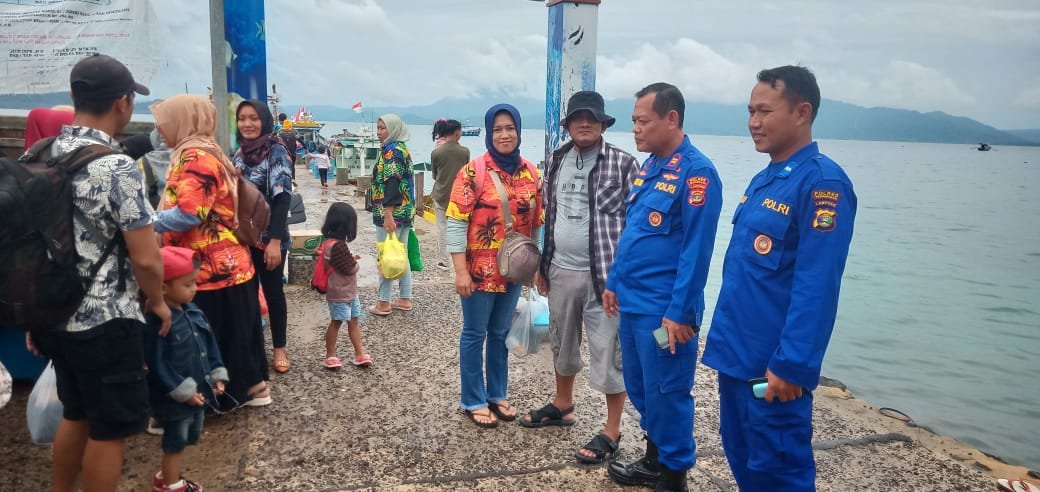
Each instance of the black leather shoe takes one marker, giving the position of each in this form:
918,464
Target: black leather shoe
644,472
638,473
671,481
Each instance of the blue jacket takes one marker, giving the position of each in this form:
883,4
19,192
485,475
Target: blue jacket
664,252
782,272
184,362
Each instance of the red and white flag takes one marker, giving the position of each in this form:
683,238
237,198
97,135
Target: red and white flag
356,107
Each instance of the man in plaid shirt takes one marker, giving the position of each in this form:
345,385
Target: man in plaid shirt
585,187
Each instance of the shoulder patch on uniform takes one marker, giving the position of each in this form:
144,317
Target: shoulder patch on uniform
826,198
825,219
698,186
673,163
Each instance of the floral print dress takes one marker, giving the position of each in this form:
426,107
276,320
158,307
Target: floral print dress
486,230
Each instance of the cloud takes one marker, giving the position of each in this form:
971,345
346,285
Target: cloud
1029,98
900,84
699,71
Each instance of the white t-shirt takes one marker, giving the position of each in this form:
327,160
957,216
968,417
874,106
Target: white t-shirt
321,160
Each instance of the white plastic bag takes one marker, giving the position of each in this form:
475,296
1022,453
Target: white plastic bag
521,339
44,410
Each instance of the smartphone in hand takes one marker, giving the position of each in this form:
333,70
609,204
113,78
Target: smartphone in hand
661,335
758,387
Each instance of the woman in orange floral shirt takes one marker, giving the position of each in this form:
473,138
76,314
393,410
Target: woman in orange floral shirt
198,204
475,231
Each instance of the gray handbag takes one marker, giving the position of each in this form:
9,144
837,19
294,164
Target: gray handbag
518,257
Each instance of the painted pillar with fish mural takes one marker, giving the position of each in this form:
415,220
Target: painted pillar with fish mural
573,27
245,37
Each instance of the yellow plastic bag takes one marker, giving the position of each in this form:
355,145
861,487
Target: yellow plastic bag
392,260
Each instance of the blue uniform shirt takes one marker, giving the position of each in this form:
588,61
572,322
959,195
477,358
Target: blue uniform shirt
782,272
663,253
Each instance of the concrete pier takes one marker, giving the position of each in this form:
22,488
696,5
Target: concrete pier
396,425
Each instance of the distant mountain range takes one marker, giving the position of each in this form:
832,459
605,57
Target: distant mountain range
837,120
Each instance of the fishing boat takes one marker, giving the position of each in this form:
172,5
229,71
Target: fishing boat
471,131
354,154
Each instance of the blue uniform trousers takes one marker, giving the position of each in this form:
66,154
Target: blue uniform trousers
768,445
660,386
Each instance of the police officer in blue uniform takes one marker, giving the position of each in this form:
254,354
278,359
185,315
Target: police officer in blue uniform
780,281
657,281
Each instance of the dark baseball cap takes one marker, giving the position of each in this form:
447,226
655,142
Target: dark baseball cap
101,77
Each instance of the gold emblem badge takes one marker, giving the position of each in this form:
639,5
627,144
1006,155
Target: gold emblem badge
655,218
763,244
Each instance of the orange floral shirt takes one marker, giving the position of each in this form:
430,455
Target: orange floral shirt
486,230
198,187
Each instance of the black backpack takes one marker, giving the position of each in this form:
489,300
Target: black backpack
40,284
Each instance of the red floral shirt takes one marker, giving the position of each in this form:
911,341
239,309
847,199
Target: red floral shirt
198,187
486,230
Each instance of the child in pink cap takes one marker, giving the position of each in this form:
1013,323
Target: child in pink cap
185,370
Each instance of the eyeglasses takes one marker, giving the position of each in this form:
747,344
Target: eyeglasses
218,411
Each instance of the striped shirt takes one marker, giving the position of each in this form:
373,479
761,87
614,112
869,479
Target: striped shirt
609,182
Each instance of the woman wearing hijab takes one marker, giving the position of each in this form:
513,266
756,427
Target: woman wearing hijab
393,203
42,123
265,162
476,229
198,203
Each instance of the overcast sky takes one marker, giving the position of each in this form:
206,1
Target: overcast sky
955,56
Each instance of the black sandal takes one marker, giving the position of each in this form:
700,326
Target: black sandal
604,447
547,416
496,409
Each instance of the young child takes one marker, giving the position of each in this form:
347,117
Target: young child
184,368
341,227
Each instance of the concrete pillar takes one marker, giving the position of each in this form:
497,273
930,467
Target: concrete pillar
573,28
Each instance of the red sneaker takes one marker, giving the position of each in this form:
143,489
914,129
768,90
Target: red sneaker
183,486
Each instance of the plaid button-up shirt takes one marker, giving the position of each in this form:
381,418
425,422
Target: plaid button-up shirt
610,180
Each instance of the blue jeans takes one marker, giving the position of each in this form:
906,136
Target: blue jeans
485,315
386,286
180,433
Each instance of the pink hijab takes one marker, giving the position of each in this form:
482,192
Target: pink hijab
42,123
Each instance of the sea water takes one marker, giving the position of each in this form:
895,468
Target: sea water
940,303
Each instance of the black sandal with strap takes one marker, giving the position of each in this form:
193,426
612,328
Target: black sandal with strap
604,447
547,416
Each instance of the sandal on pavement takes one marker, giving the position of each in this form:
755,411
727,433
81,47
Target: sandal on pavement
363,361
604,448
473,415
500,408
261,398
333,363
375,310
547,416
396,305
1016,485
281,363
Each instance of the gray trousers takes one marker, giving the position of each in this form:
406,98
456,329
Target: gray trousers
442,233
572,305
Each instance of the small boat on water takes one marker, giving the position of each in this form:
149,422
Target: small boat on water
983,147
471,131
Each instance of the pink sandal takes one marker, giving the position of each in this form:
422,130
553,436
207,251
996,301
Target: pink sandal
333,363
363,361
